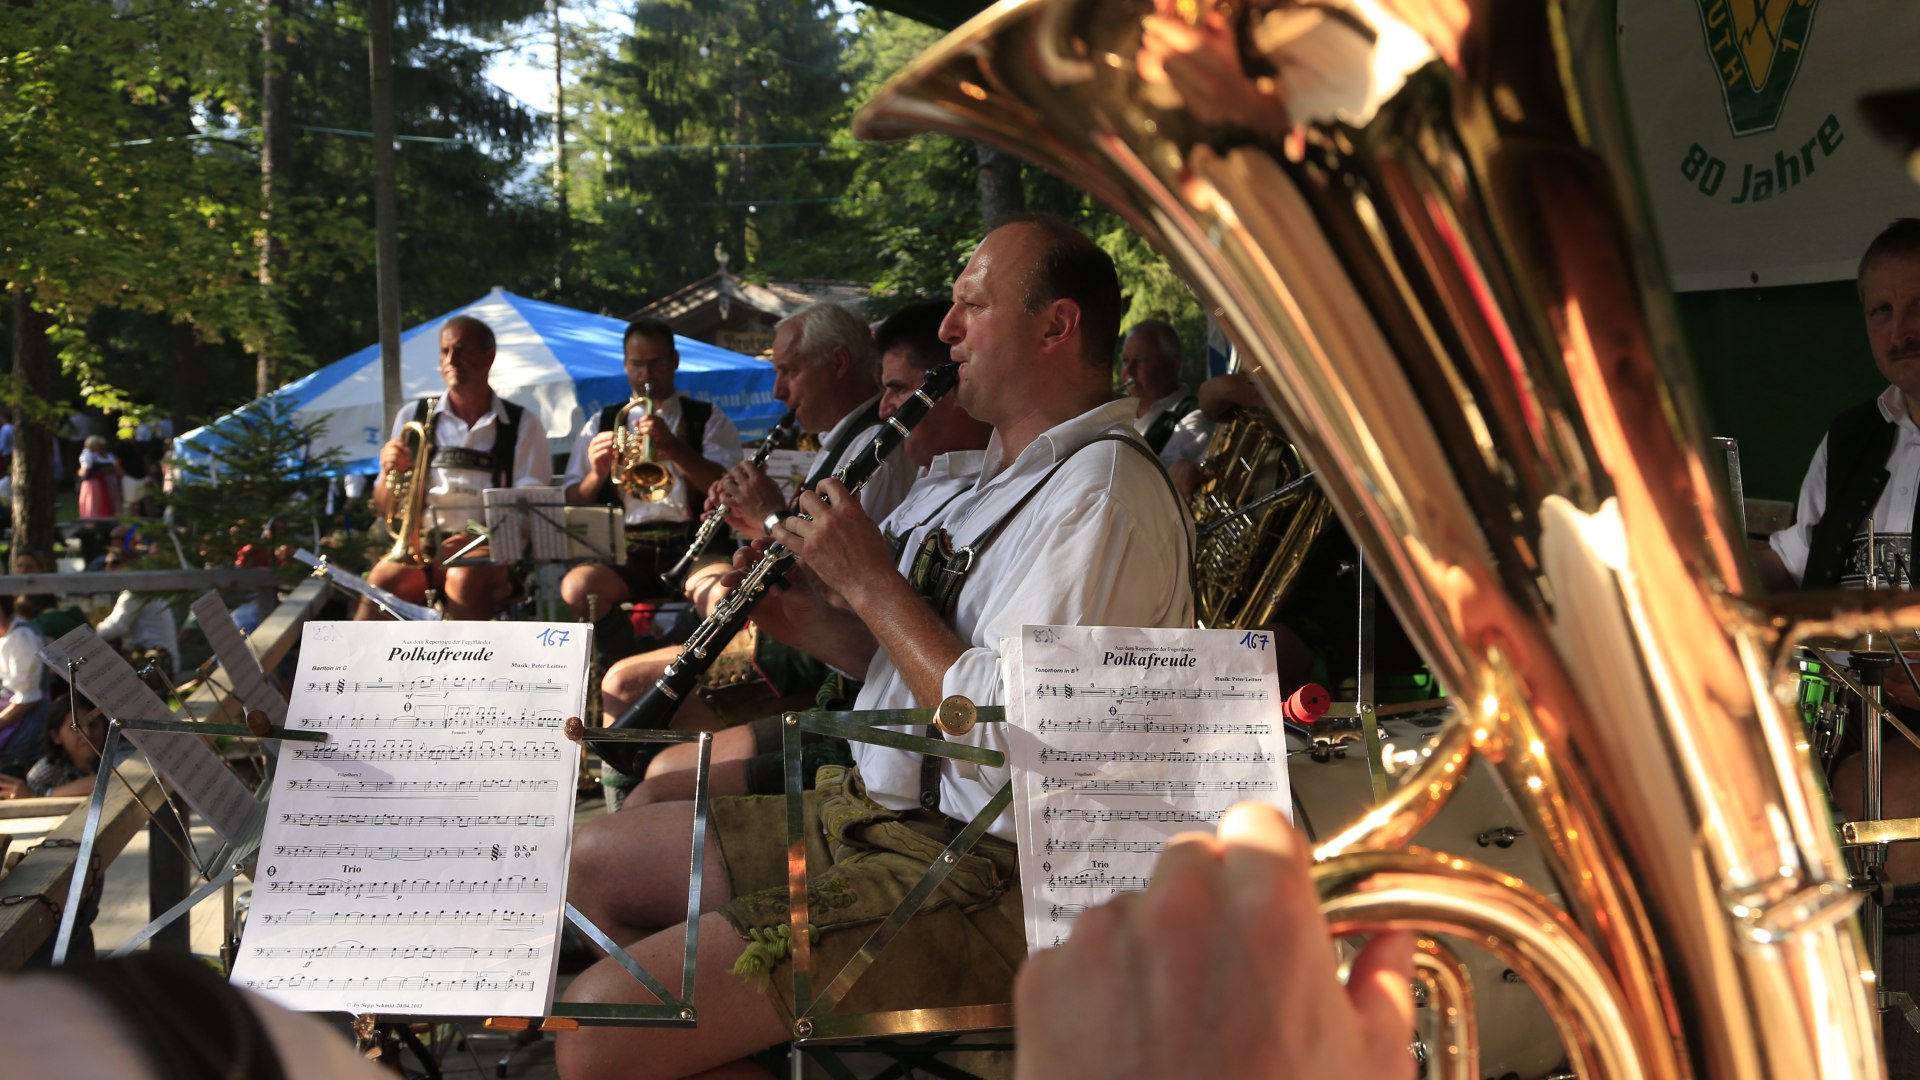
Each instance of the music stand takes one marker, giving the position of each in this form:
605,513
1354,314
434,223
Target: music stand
814,1020
354,585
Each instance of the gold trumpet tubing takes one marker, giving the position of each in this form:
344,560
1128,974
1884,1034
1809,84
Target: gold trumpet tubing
1455,1044
1436,298
1432,892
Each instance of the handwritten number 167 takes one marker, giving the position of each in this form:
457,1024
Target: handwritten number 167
1254,640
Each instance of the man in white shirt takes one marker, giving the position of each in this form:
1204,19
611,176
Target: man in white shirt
693,441
479,441
1166,413
1854,524
141,624
1067,507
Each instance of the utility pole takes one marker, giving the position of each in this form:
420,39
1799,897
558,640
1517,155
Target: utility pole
560,143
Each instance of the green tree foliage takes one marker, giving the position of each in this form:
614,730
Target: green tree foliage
262,478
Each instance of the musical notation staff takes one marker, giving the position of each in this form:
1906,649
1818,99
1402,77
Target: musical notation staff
1077,813
1126,724
1163,757
1066,911
456,821
356,951
1174,788
1136,692
482,751
424,787
335,887
1097,879
404,854
503,920
1055,844
433,684
397,982
458,720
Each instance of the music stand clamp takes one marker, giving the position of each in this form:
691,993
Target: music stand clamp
813,1020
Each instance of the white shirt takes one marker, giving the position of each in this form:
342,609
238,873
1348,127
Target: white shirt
1189,439
719,443
1892,515
145,624
532,465
1104,545
889,485
20,662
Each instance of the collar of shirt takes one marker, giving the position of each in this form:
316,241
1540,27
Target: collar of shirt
1146,419
1002,484
842,426
1893,406
496,413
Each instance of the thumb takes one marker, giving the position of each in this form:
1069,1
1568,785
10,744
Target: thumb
1379,987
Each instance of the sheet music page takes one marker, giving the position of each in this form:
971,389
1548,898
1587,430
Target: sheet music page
354,583
523,517
230,646
417,863
182,760
1121,738
789,469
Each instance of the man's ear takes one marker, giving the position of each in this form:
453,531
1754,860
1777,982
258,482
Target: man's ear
1063,326
841,361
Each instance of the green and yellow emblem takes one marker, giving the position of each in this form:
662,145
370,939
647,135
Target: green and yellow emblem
1755,46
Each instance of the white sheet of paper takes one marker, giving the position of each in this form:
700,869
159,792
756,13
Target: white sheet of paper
789,468
182,760
1121,738
354,583
417,863
230,646
532,518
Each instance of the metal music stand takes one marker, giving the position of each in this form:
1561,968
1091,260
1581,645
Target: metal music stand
357,586
815,1023
233,857
674,1010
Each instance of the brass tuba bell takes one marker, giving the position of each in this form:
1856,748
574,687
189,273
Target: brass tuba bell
1415,219
634,469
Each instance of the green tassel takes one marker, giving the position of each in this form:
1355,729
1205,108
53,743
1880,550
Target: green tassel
765,948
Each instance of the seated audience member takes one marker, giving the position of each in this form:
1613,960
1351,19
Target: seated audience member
1070,520
71,754
693,442
43,610
23,702
141,626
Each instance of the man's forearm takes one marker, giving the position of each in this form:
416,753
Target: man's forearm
586,490
834,637
15,712
921,646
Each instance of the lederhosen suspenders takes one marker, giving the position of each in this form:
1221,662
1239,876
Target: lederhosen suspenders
693,430
496,462
939,571
830,456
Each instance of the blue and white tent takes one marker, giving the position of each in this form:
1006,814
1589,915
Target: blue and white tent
562,363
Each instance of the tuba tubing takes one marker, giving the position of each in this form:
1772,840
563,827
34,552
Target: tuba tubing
1409,216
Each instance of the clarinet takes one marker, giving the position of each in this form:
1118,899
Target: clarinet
656,708
778,438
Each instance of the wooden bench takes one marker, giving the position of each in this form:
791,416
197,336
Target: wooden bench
32,893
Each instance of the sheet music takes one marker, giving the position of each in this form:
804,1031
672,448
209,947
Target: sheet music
519,518
354,583
1121,738
182,759
230,647
789,469
417,862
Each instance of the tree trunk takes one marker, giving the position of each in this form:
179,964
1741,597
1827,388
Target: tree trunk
385,227
276,153
33,524
1002,192
560,150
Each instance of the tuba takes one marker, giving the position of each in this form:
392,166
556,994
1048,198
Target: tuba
1416,219
639,476
407,499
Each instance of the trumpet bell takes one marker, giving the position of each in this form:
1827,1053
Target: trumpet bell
1408,215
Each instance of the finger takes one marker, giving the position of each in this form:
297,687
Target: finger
1380,987
1265,866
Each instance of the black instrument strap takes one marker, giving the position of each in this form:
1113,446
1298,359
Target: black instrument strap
830,456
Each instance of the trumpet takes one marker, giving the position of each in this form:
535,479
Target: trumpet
407,498
1417,222
778,438
656,708
639,476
